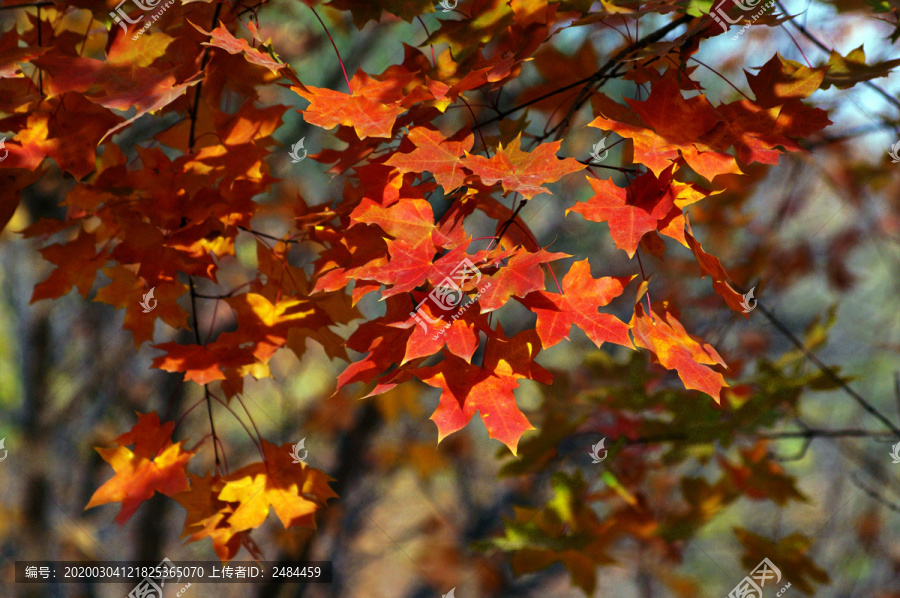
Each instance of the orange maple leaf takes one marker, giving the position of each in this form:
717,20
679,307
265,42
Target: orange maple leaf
488,390
582,296
207,515
710,264
220,37
633,211
435,154
294,490
155,465
77,261
364,109
672,127
525,172
677,350
126,292
200,363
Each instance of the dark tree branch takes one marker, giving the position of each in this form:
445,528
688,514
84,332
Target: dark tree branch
850,134
30,5
204,60
613,65
351,448
827,371
212,425
897,389
873,494
686,437
600,75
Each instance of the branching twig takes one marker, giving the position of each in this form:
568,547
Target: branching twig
509,220
809,433
30,5
196,105
826,370
850,134
874,494
212,425
267,236
825,48
600,75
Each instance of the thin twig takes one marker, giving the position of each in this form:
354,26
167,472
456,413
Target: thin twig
685,437
849,134
614,62
196,106
259,234
721,76
596,77
825,369
874,494
510,220
336,51
825,48
212,425
427,35
30,5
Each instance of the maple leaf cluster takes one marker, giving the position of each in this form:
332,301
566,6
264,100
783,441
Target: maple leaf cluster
164,207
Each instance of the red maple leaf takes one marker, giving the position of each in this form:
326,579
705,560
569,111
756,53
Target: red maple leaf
435,154
155,465
582,296
365,109
633,211
488,390
525,172
677,350
672,127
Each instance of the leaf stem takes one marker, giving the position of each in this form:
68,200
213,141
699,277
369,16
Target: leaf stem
433,59
641,265
721,76
256,443
212,425
195,107
336,51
